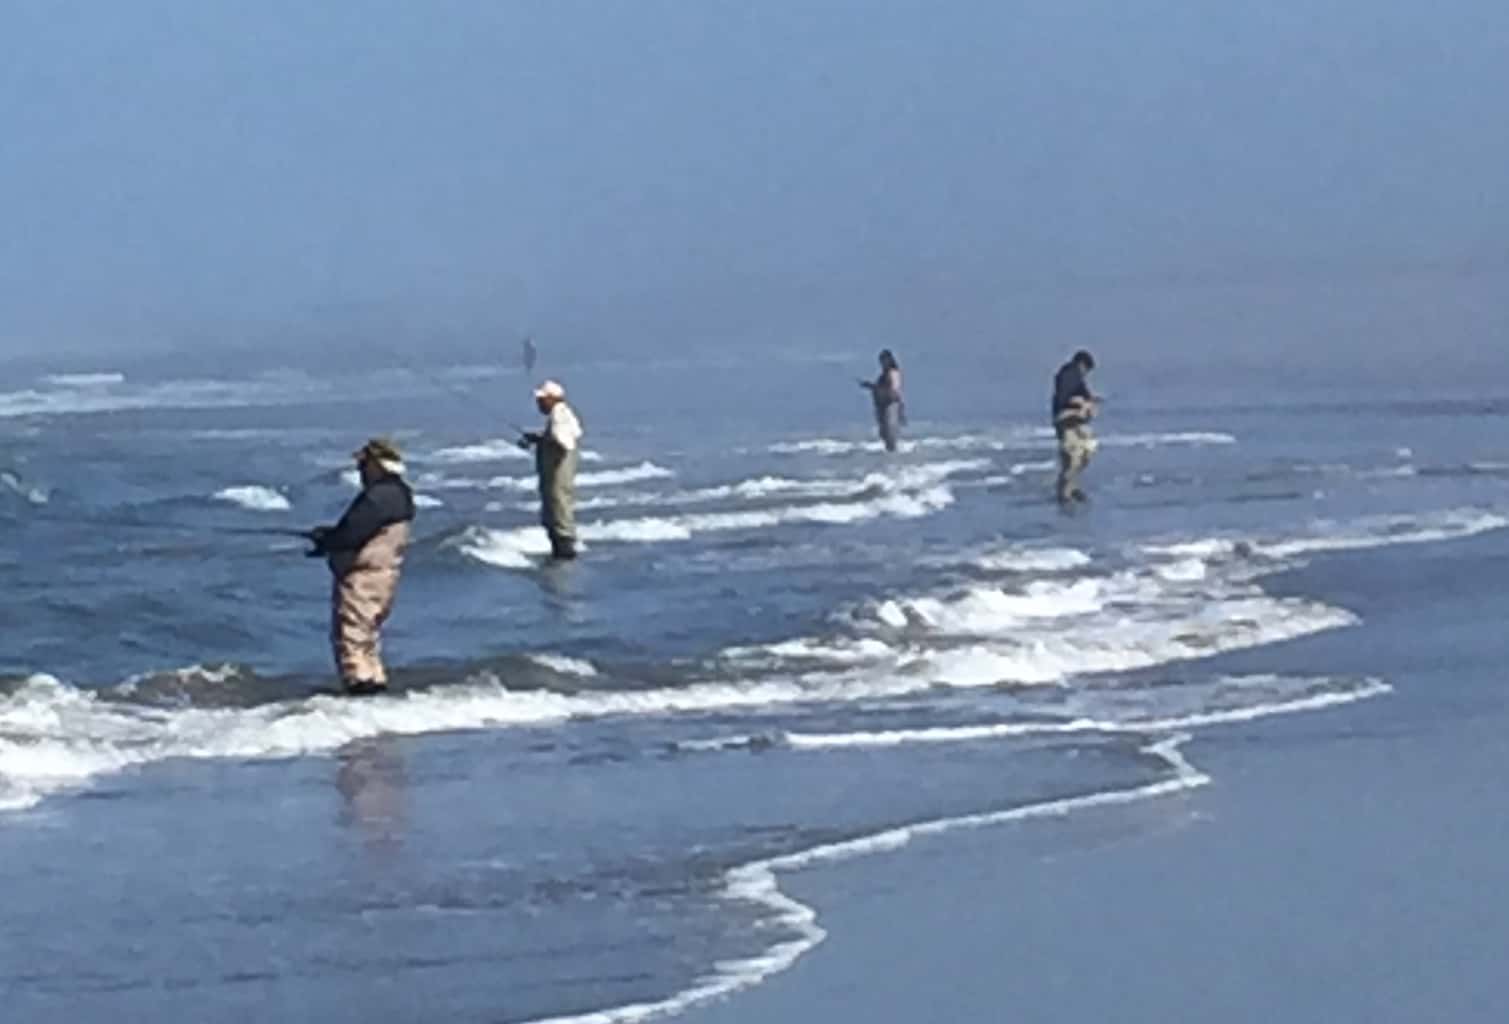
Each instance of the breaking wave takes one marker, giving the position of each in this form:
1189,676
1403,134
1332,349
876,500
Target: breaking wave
483,451
498,449
593,478
1326,535
84,380
766,488
111,395
1011,440
521,547
255,498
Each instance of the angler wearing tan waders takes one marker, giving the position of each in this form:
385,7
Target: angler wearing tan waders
365,554
1073,409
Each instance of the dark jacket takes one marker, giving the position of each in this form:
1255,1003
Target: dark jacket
382,504
1068,384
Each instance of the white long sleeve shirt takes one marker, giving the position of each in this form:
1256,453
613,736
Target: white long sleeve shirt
563,428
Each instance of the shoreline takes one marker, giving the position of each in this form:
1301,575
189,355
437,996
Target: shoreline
1310,861
765,882
1238,888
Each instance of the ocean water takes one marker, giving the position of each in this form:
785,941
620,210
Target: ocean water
781,647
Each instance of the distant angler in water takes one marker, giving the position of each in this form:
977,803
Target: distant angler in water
890,407
1073,408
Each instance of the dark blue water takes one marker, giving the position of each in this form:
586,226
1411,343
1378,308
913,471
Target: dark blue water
779,640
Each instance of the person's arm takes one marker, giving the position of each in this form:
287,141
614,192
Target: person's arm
358,525
1084,399
372,511
1077,408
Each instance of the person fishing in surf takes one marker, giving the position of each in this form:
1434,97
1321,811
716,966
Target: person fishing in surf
556,454
365,552
530,355
1073,409
890,406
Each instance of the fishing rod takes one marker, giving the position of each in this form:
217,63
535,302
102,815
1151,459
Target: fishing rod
261,531
459,390
170,525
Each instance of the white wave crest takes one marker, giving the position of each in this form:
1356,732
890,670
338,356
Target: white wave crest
833,446
1324,535
495,450
518,548
1188,437
85,380
498,449
597,478
902,479
1007,440
521,547
1048,631
54,737
57,398
1025,559
1315,695
627,475
565,666
811,649
254,497
1382,532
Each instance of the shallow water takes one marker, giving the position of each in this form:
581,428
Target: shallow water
781,645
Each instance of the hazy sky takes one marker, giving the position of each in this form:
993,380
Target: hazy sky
698,169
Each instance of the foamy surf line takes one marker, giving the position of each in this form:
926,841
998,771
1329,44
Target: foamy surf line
84,380
90,394
1365,690
596,478
519,548
52,735
1360,535
55,737
1013,440
768,488
758,883
492,450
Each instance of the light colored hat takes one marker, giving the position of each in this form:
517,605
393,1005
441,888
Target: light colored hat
383,452
550,389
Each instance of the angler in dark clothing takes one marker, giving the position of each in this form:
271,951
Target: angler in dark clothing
365,554
890,407
1073,409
